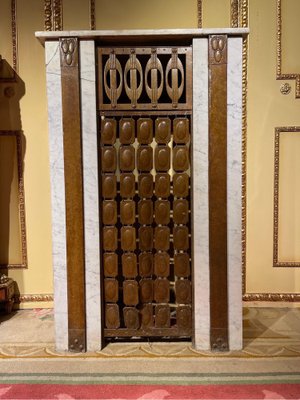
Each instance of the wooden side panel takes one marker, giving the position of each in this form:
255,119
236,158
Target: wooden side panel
218,191
74,192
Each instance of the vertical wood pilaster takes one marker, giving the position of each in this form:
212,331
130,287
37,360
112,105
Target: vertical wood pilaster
217,59
69,57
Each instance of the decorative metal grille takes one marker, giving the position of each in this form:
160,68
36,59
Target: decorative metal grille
159,78
145,190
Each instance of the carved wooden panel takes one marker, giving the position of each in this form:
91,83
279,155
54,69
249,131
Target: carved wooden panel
145,189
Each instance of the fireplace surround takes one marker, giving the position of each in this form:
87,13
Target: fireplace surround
215,126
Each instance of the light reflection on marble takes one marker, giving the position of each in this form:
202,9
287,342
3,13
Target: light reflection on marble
234,194
200,194
91,195
53,77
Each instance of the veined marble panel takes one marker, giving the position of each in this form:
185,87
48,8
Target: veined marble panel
59,256
234,193
200,195
91,196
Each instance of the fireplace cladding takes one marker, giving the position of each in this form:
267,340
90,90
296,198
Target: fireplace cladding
145,131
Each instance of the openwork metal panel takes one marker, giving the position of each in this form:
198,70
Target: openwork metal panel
145,78
145,190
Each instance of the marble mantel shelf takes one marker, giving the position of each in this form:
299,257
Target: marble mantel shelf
151,34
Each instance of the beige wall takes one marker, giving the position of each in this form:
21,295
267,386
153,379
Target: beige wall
267,109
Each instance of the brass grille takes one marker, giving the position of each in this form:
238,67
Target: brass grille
145,190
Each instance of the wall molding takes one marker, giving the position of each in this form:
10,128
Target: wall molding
290,297
199,13
21,198
14,33
279,74
92,15
30,298
53,15
278,131
244,23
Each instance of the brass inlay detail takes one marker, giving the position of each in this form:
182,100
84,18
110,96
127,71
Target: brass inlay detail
285,88
234,13
69,52
18,135
217,57
92,15
53,15
244,24
279,74
199,13
278,131
71,119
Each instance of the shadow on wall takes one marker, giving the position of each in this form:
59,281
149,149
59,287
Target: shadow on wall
12,151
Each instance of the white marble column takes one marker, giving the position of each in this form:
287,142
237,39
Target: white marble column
91,194
57,176
200,195
234,192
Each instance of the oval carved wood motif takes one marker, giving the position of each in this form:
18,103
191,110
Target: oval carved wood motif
145,185
127,212
162,185
162,130
129,265
126,130
162,212
127,185
162,264
162,158
162,316
146,264
181,185
109,159
108,131
109,186
110,264
127,158
145,130
112,317
109,210
145,212
128,242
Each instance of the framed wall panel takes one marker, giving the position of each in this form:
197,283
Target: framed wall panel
288,64
13,248
286,197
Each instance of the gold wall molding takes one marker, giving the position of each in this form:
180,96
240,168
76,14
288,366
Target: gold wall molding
199,13
14,34
30,298
92,15
290,297
279,74
234,13
244,23
278,131
21,199
53,15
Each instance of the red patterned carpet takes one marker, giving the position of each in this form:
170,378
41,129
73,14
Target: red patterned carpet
46,391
